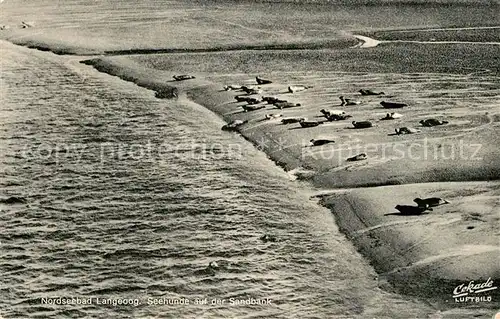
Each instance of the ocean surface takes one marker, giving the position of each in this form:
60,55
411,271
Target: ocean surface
117,195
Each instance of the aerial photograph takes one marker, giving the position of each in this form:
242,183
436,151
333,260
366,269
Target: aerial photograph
250,159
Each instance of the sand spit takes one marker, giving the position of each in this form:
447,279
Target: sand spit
366,42
408,251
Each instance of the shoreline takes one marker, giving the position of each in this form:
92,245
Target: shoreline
352,213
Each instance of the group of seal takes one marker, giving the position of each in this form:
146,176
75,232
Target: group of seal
426,123
423,205
256,102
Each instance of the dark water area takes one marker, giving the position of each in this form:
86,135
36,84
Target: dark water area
117,195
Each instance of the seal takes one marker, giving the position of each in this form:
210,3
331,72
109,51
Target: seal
298,88
276,100
251,89
254,91
330,112
291,120
271,116
183,77
430,202
285,105
347,101
262,81
392,116
232,87
370,92
306,124
432,122
359,157
252,107
337,117
271,99
248,99
406,130
320,142
362,124
25,25
233,126
393,105
412,210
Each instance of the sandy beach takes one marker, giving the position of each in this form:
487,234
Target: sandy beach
436,73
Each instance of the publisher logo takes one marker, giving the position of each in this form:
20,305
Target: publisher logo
474,292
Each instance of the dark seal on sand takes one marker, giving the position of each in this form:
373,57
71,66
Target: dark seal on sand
183,77
233,126
306,124
362,124
320,142
359,157
393,105
412,210
432,122
262,81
